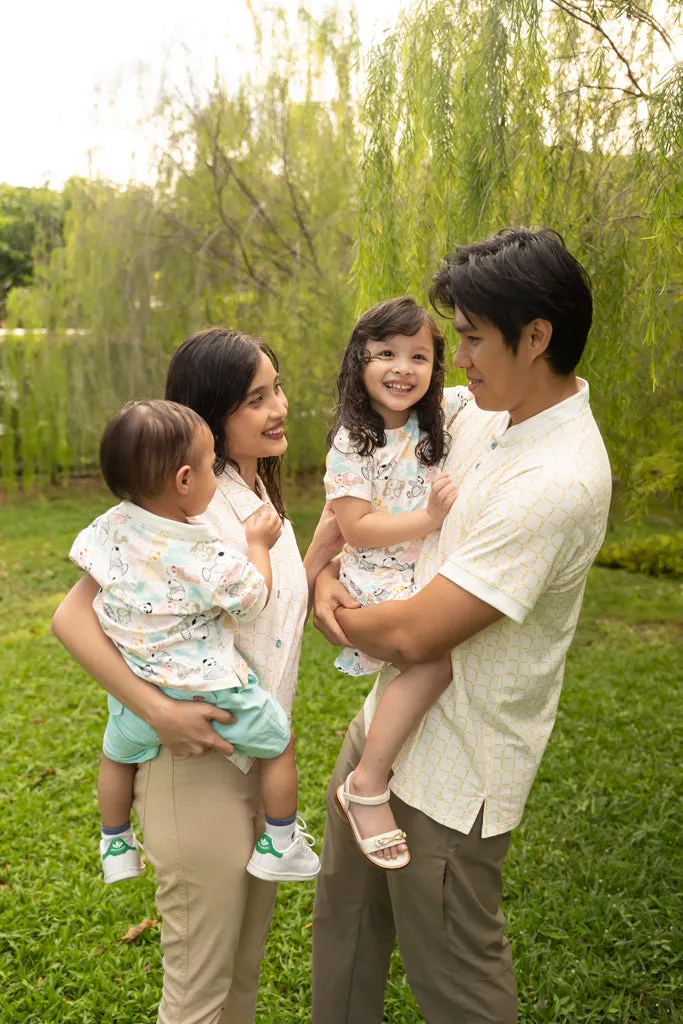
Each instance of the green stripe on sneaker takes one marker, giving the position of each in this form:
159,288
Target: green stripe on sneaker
265,845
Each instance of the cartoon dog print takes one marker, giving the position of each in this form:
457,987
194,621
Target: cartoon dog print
117,567
203,551
193,627
161,658
121,614
176,591
214,572
212,671
417,488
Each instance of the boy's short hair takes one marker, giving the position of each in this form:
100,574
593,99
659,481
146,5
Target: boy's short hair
517,276
144,444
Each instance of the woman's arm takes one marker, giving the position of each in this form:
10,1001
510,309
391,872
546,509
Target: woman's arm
185,726
363,528
327,541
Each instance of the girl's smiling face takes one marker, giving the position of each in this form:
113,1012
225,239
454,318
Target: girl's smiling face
398,374
255,430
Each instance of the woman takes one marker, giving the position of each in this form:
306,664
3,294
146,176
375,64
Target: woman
201,814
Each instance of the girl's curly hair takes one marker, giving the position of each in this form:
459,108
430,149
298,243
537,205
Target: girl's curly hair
366,429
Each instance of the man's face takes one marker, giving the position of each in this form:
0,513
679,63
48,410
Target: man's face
498,378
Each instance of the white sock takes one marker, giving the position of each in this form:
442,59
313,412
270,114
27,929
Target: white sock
281,835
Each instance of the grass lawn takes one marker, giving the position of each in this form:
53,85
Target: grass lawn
593,878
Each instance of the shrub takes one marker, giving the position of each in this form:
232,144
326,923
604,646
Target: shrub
657,555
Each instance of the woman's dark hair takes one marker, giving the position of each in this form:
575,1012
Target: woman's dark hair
354,411
211,372
144,444
517,276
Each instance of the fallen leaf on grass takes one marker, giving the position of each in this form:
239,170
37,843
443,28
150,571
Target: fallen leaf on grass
136,930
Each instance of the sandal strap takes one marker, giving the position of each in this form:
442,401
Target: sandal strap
369,801
383,841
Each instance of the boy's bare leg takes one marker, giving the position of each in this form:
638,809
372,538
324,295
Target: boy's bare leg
279,786
115,792
401,707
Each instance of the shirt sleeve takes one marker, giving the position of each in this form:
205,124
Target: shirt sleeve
348,474
521,543
241,589
88,550
454,401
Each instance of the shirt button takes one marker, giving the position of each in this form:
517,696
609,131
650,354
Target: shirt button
494,444
278,594
477,465
278,643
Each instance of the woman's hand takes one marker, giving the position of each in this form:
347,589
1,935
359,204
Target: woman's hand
330,595
185,727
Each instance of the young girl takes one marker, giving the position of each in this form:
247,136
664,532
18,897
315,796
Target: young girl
165,584
382,478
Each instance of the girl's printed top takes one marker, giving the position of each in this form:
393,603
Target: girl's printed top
393,480
164,587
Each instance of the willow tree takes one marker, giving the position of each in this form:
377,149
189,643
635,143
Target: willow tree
250,224
569,113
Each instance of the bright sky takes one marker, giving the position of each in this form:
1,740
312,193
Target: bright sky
79,77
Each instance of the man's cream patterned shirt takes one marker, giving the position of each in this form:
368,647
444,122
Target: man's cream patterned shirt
529,520
271,642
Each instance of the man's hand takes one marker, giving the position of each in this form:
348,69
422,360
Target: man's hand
185,727
442,494
329,596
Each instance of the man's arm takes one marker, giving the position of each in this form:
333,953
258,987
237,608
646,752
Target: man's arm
421,628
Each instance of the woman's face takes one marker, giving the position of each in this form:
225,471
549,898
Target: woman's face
255,430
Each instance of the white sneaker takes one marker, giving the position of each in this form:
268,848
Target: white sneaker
120,856
298,863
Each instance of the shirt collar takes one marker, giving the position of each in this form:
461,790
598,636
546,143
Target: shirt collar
544,422
238,494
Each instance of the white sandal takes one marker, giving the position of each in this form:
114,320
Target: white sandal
385,840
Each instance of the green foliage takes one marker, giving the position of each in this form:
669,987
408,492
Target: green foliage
31,223
250,225
592,899
656,554
479,115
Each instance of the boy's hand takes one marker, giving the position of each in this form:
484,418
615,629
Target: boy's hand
441,497
263,528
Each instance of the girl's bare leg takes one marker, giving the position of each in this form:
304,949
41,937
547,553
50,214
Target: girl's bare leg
115,792
403,704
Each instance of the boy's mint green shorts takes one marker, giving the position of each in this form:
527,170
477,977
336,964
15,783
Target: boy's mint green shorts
261,728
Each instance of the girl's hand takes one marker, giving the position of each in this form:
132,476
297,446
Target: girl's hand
263,527
441,497
327,537
185,727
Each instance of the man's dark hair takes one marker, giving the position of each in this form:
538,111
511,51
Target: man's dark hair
146,443
517,276
212,372
402,315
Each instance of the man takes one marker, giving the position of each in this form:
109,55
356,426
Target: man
502,588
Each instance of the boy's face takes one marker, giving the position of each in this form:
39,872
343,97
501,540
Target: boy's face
499,379
202,479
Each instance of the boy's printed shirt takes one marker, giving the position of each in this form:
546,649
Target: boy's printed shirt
393,480
164,586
